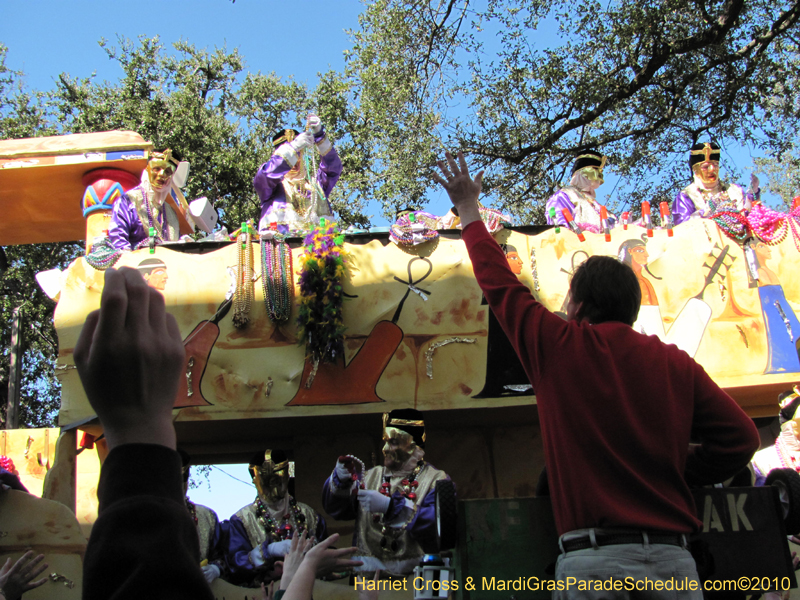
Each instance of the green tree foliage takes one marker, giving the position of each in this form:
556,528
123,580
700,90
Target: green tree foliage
23,114
525,85
198,102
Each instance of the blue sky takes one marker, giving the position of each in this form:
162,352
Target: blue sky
272,36
294,40
48,37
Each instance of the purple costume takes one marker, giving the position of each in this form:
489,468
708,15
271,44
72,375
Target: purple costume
583,212
244,531
420,528
694,199
127,231
268,182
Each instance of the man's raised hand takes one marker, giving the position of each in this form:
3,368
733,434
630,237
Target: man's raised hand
129,357
462,189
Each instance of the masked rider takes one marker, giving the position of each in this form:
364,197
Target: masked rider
580,197
707,194
395,511
261,532
290,199
145,206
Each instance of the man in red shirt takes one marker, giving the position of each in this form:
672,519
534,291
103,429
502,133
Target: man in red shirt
618,411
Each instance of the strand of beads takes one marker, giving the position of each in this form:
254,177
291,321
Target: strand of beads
276,273
793,219
103,255
407,486
390,535
149,210
320,321
769,225
733,224
284,529
493,219
414,228
243,295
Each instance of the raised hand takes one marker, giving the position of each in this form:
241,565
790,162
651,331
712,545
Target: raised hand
129,357
18,578
461,187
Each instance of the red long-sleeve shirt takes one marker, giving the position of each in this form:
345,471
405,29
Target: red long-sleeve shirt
617,410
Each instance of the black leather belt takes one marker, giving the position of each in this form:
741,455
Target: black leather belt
612,539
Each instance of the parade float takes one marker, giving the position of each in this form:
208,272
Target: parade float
302,342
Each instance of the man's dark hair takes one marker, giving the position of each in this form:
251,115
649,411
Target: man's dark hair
608,290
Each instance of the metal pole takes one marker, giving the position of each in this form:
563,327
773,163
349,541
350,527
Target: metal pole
14,370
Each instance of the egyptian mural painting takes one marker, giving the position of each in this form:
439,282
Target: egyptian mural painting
418,332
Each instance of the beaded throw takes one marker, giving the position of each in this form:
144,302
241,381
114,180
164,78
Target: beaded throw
277,279
414,228
494,219
292,521
770,226
243,294
407,489
103,255
320,323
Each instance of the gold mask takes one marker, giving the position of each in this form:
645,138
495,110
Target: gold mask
271,479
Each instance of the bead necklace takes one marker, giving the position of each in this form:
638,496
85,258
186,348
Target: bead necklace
192,510
406,485
795,229
148,209
733,224
276,275
414,228
103,255
390,535
769,225
493,219
243,295
283,530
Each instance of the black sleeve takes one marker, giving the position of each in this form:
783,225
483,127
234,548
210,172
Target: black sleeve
144,543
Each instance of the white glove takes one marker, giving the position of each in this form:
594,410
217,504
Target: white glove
256,557
303,141
279,549
211,572
314,124
374,502
754,183
344,476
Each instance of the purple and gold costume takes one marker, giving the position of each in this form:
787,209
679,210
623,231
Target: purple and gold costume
268,182
576,202
419,531
127,229
244,532
695,198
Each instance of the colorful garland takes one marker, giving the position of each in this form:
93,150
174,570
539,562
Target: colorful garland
320,322
769,226
277,279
